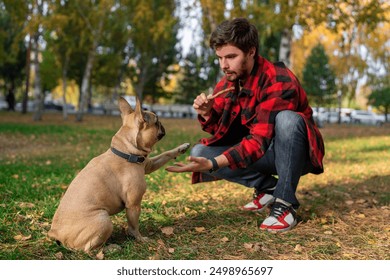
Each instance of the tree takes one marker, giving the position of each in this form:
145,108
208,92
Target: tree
380,99
193,79
12,54
318,77
152,46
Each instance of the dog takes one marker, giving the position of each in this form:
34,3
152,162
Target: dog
111,182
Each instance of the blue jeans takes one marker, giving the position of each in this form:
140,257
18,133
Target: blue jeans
287,157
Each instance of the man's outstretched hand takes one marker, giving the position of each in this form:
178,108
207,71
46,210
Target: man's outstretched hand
195,164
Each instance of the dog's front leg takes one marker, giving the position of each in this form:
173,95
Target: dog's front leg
132,214
156,162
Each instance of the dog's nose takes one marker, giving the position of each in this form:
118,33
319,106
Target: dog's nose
161,132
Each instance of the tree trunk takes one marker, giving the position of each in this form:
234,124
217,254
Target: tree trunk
64,86
85,85
88,71
286,40
25,94
285,46
139,88
38,95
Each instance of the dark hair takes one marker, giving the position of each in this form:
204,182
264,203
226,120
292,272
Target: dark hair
238,32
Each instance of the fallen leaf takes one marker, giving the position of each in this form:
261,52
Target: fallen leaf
59,256
256,247
26,205
167,230
361,201
171,250
328,232
100,255
112,248
154,257
200,229
349,202
248,245
298,248
225,239
361,216
21,237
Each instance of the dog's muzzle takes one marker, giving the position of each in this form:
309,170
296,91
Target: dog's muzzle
161,131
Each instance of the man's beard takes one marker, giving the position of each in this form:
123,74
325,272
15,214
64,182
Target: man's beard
237,76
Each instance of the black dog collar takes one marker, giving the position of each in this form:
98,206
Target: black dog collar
129,157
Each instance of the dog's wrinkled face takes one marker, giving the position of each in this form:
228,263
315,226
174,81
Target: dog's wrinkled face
143,128
151,130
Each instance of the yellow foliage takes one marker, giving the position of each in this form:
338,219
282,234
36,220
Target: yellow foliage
301,48
72,92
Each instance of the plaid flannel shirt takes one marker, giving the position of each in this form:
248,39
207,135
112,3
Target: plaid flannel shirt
271,88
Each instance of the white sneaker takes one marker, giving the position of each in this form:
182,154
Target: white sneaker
281,218
259,203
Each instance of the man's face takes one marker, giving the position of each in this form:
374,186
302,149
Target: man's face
234,62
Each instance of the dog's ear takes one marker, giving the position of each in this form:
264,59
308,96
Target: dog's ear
138,110
124,107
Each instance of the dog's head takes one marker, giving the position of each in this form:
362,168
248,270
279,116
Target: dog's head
141,128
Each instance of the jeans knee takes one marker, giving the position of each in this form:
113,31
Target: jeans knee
198,150
287,122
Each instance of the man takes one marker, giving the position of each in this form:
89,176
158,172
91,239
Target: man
261,125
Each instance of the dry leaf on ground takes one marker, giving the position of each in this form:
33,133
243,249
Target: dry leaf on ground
20,237
100,255
200,229
167,230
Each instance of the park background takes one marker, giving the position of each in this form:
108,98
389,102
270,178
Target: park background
64,61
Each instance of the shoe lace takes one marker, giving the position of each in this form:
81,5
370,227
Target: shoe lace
279,209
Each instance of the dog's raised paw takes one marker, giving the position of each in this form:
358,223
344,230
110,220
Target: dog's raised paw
183,148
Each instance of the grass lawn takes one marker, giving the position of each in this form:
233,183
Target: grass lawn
345,212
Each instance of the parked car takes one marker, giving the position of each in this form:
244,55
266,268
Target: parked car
3,104
30,106
333,117
366,117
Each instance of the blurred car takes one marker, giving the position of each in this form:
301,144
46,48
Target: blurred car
3,104
51,106
333,117
366,117
30,106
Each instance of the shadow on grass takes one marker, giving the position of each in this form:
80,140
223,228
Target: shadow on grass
373,192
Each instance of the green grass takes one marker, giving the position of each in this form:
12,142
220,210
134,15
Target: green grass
344,215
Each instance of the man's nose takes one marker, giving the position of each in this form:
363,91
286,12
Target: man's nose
224,64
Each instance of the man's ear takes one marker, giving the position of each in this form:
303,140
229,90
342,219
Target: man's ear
124,107
252,52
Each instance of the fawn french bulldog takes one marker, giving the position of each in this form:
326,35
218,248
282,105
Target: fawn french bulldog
111,182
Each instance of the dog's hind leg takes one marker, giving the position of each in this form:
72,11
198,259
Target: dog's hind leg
96,234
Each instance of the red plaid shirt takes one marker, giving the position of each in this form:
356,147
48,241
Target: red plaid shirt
271,88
